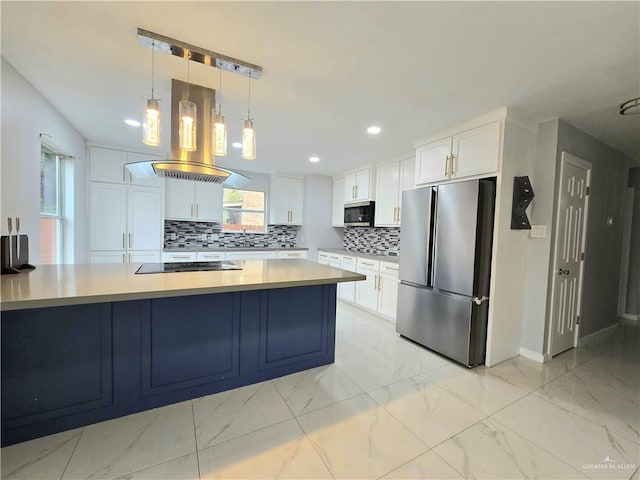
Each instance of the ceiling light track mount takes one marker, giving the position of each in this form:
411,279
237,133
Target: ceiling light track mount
182,49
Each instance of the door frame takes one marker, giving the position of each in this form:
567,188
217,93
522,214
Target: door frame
564,159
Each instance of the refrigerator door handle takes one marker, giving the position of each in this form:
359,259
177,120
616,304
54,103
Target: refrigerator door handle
480,300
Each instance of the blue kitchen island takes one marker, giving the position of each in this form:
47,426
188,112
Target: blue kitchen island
87,343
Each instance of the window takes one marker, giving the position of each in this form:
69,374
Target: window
50,207
243,209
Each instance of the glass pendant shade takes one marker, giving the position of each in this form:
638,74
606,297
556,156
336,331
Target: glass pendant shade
187,132
151,124
248,141
219,135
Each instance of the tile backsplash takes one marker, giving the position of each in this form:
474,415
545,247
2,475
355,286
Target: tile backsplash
189,234
374,240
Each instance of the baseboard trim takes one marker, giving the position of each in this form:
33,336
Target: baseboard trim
596,335
630,316
531,355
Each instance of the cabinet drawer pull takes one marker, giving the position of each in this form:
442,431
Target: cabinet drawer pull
197,209
180,256
391,268
348,258
368,264
453,165
446,166
130,239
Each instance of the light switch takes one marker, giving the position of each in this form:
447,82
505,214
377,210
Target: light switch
538,231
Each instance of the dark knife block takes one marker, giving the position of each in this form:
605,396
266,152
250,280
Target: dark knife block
14,263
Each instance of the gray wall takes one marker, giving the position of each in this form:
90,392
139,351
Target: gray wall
633,279
317,230
603,242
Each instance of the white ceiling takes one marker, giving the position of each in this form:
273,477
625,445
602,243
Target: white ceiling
332,69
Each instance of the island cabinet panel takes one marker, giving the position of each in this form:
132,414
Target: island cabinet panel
65,367
205,349
55,362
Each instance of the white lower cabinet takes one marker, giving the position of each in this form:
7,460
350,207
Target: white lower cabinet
347,290
210,256
323,257
291,254
367,291
152,256
251,255
116,256
172,257
388,290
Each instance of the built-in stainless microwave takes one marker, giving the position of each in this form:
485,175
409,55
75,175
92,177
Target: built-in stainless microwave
360,214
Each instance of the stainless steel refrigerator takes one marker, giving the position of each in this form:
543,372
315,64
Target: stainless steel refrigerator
445,267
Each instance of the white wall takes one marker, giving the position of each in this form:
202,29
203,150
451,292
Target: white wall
509,261
25,115
317,231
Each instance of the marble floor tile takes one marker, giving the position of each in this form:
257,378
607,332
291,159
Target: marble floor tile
406,352
575,440
229,414
636,476
45,457
181,468
279,451
357,438
316,388
128,444
604,406
371,369
348,343
490,451
428,466
432,413
574,357
485,392
612,373
524,373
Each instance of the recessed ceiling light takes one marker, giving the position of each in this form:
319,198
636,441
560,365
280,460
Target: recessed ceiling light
132,123
373,130
314,159
236,145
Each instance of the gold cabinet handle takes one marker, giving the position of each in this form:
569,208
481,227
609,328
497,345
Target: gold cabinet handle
446,166
130,239
123,240
453,165
356,191
197,209
398,214
192,209
390,268
367,264
124,172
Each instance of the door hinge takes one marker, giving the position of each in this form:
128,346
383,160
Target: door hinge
582,256
578,320
588,191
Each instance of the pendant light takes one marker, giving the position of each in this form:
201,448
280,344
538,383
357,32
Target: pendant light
187,111
151,127
249,134
219,129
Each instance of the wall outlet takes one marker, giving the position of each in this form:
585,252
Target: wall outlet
538,231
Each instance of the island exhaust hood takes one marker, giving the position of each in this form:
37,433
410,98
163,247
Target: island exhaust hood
198,165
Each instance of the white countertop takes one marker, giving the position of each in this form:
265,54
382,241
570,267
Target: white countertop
56,285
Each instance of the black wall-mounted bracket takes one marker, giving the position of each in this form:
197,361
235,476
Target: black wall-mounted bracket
522,196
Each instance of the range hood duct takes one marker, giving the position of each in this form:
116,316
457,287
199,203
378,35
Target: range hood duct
198,165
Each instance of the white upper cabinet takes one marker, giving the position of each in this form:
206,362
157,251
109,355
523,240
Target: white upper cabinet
337,217
392,180
473,152
108,165
357,185
189,200
287,200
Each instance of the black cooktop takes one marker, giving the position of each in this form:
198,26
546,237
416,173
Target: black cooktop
186,267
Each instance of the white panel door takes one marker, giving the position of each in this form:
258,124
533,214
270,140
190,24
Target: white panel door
144,218
150,181
432,163
407,174
476,151
208,202
570,233
338,203
107,165
388,184
179,199
279,201
367,291
107,216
